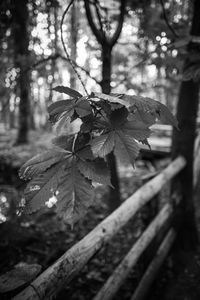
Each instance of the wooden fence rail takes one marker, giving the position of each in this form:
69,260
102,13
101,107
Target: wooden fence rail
154,266
117,278
51,281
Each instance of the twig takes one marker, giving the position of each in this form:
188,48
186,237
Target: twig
120,23
96,3
87,72
100,36
166,20
44,60
56,56
64,47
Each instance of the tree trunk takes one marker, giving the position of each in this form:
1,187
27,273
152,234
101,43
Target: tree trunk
107,43
114,197
54,46
21,43
73,43
183,143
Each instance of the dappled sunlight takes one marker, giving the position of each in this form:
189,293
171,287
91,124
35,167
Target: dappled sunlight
89,94
51,202
4,206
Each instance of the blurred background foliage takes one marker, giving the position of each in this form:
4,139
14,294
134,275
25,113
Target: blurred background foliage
147,58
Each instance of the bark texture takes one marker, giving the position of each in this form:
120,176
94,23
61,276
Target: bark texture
73,42
20,16
183,141
114,196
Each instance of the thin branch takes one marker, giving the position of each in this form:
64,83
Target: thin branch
65,49
101,38
96,3
166,20
44,60
56,56
87,72
120,23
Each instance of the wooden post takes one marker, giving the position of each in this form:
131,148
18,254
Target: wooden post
121,272
154,267
47,284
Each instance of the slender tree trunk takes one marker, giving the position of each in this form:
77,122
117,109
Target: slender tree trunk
106,68
183,143
54,49
21,43
114,197
107,43
73,43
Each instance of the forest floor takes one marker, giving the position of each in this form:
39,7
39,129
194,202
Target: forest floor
179,282
43,237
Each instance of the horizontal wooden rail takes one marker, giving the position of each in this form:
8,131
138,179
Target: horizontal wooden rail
47,284
154,266
117,278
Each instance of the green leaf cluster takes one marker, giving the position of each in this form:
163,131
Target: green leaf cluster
68,171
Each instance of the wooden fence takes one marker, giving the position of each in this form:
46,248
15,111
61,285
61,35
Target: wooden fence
52,280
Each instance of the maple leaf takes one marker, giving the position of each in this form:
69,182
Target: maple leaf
58,171
148,118
110,98
66,90
40,163
143,104
103,144
119,116
91,123
121,137
96,171
153,107
76,146
82,107
41,188
64,141
57,108
75,194
138,130
126,148
62,111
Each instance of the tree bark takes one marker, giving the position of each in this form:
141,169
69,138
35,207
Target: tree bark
73,43
21,42
54,49
183,143
107,45
114,195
